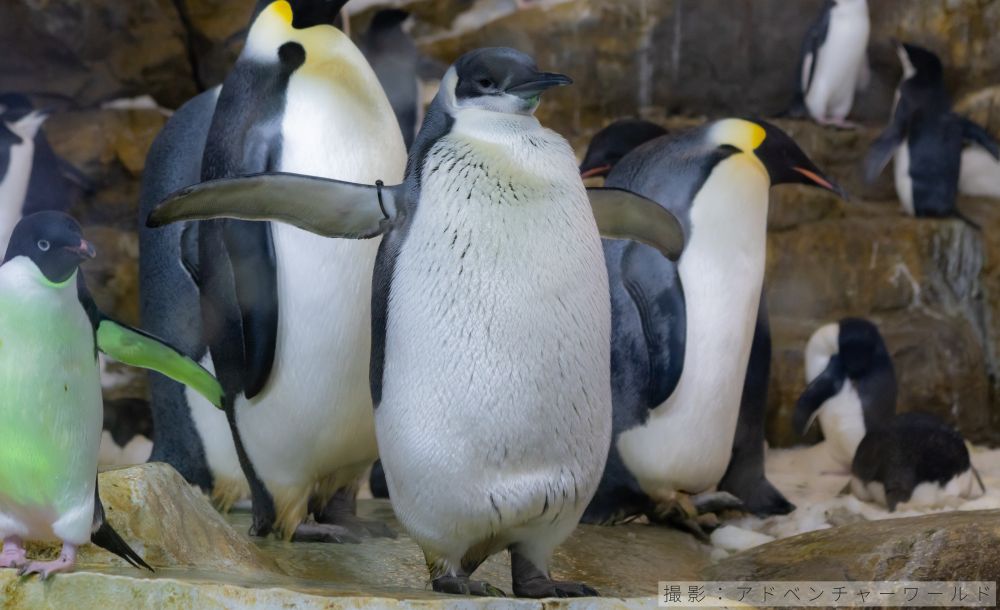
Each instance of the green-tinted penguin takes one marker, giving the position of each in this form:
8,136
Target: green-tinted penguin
50,393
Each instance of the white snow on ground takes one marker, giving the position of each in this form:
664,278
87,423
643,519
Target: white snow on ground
812,481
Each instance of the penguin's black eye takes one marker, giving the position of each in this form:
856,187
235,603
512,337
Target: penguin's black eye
485,83
44,245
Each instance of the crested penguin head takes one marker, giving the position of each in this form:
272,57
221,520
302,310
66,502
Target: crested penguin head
497,79
777,152
53,241
612,143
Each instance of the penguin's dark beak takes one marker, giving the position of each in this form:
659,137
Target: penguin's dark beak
788,164
537,84
84,249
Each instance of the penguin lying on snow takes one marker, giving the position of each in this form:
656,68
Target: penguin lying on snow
50,394
491,322
925,139
744,477
833,63
279,304
912,458
683,331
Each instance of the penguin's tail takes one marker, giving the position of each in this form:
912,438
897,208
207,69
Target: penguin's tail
107,538
972,223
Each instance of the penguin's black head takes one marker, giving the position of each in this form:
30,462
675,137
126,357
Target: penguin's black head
307,13
53,241
387,19
615,141
499,79
860,346
785,162
14,106
919,62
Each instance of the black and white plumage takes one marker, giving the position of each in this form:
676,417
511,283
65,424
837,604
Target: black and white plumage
925,139
682,332
833,62
279,304
491,324
744,477
912,458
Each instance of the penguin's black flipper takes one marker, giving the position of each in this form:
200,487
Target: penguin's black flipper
884,147
972,132
807,61
622,214
105,536
825,386
326,207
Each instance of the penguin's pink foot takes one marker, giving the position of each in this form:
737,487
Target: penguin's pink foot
13,555
44,569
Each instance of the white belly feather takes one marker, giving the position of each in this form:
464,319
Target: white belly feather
903,180
496,408
839,64
14,188
686,443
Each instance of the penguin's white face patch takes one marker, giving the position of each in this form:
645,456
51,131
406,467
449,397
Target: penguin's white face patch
904,58
499,101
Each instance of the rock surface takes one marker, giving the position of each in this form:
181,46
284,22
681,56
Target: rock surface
939,547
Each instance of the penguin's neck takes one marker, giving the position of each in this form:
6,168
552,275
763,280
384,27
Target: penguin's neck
722,272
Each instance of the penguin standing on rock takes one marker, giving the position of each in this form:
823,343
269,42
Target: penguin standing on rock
683,332
912,458
490,365
925,139
834,62
279,304
50,394
744,477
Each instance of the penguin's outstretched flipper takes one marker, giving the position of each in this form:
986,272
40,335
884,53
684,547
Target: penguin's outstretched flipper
824,386
326,207
972,132
105,536
622,214
884,147
137,348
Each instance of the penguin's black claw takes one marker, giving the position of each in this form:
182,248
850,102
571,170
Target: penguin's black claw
716,502
538,589
324,532
461,585
681,514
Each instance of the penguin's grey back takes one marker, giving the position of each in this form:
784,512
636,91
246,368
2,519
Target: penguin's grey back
169,301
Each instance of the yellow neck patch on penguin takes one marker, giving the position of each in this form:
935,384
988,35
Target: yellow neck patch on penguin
742,134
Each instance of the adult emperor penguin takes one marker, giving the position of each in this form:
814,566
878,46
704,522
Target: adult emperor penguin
17,152
912,458
744,477
279,304
852,385
925,138
834,62
491,320
50,393
683,332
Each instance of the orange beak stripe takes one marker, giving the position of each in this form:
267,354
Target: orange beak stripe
596,171
815,178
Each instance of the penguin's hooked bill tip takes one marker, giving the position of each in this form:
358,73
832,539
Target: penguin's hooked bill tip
823,182
84,249
539,83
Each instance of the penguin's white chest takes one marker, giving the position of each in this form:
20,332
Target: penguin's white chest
980,176
496,404
686,443
903,180
14,188
838,64
843,423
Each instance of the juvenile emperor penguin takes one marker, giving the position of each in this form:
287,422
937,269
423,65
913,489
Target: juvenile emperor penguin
50,394
490,365
911,458
278,304
683,332
17,153
834,62
925,139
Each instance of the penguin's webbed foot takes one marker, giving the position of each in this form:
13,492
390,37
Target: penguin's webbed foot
324,532
462,585
13,555
717,502
44,569
529,581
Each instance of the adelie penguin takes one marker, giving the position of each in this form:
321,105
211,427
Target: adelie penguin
744,477
491,320
833,63
683,332
911,458
925,139
50,394
278,304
